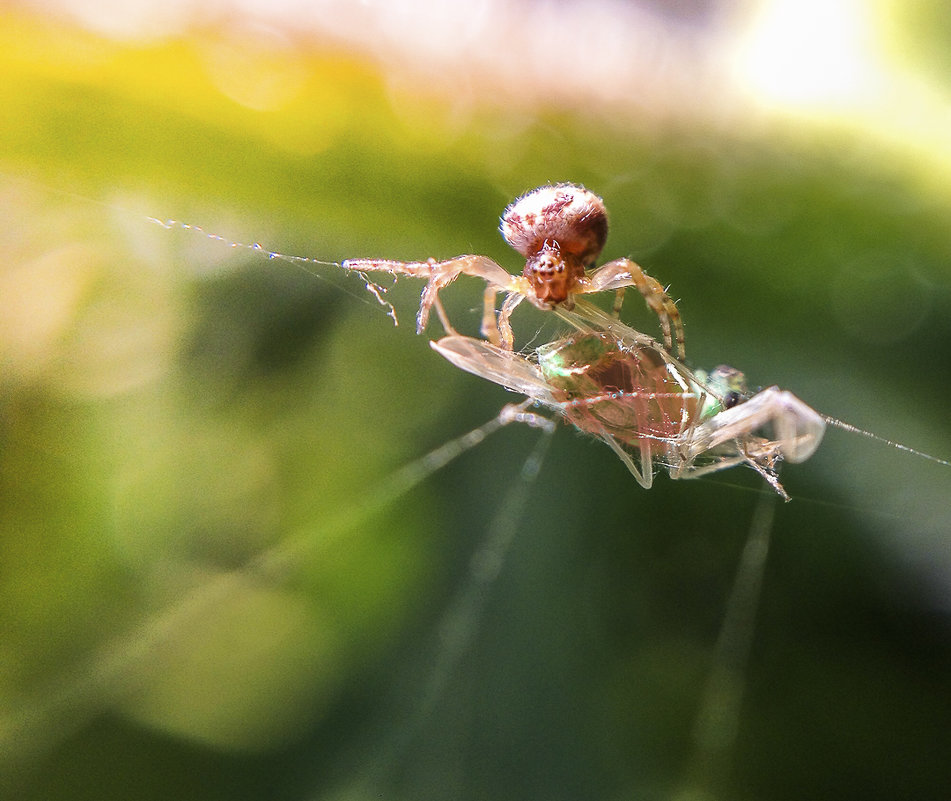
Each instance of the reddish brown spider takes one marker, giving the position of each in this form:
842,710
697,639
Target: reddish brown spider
560,230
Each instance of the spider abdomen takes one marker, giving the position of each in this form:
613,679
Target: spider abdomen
565,217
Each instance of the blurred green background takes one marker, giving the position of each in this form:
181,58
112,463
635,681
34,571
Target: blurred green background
221,576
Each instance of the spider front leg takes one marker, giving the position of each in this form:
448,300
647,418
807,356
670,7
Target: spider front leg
622,273
439,274
497,329
505,326
490,325
496,277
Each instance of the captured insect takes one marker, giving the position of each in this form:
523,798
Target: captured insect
649,408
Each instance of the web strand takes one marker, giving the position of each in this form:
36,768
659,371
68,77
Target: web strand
61,706
869,435
377,290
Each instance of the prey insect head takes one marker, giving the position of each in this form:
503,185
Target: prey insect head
727,387
730,384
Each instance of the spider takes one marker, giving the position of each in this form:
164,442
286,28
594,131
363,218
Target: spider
624,388
560,229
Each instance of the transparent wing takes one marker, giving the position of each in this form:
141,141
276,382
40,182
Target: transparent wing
511,370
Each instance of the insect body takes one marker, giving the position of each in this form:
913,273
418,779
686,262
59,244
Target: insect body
624,388
560,230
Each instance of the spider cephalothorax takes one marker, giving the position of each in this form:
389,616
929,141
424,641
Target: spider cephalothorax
561,231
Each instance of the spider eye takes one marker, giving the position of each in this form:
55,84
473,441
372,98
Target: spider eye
731,399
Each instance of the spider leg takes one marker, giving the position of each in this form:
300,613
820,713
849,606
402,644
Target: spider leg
490,326
504,325
442,273
417,269
439,275
443,317
618,302
622,273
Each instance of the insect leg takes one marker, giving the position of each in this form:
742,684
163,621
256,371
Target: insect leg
645,474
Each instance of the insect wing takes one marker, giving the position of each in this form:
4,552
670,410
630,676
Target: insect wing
510,370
